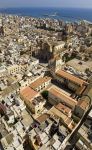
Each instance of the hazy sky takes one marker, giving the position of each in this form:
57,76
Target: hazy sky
45,3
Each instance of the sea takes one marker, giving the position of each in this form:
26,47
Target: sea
65,14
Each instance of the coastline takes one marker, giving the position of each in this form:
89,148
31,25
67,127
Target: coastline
66,14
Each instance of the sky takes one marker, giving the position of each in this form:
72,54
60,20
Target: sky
46,3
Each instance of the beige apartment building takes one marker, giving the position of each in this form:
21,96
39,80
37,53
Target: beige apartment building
67,121
13,69
32,99
84,141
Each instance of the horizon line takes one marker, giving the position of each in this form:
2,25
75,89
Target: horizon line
45,7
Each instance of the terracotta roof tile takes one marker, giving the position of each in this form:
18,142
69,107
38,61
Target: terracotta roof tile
28,93
39,82
71,77
69,101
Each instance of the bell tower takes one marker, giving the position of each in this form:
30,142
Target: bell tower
55,64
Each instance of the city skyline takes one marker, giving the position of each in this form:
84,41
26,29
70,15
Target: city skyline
46,3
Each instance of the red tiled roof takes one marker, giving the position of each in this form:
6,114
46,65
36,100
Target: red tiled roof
64,97
39,82
28,93
71,77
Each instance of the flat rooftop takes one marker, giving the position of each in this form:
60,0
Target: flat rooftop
3,131
66,110
80,65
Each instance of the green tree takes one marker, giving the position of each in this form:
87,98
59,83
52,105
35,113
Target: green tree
45,94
